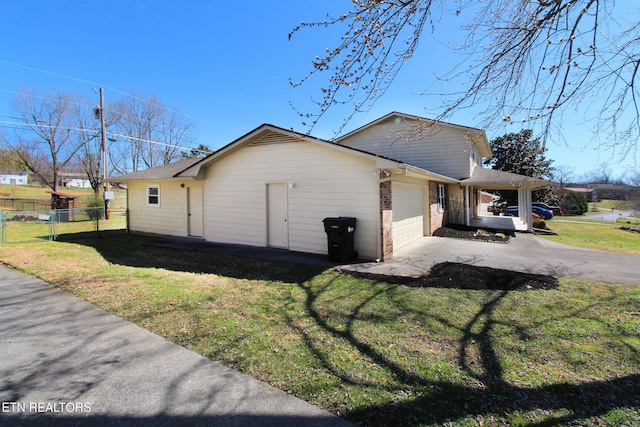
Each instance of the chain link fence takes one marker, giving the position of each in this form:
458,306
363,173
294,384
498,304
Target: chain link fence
46,224
24,203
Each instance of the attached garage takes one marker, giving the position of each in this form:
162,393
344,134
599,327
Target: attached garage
408,213
274,187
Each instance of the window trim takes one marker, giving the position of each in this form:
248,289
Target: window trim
441,198
149,195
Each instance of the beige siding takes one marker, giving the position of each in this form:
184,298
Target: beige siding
408,213
321,182
445,150
170,218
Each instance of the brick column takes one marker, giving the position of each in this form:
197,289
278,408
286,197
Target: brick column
386,221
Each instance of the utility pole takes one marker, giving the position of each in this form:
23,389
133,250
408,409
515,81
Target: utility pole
104,150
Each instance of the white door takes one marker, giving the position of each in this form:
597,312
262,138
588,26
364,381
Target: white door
277,227
194,209
408,213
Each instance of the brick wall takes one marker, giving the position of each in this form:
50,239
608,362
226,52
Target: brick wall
436,219
386,220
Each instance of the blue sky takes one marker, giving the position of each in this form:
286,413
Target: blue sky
226,65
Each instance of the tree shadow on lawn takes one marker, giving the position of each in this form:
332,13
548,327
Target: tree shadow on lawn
458,275
440,401
192,256
434,401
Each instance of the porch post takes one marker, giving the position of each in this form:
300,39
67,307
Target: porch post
524,205
467,208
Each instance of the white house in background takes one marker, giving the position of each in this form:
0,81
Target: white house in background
74,180
273,187
14,178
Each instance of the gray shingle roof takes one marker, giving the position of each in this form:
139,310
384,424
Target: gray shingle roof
160,172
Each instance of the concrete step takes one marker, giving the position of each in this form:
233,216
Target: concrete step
499,222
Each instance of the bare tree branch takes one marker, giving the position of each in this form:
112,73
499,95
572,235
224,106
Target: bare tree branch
154,133
530,62
47,145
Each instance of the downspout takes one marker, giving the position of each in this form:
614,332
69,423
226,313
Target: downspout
391,176
379,223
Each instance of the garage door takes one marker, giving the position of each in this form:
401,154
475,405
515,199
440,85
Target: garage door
408,212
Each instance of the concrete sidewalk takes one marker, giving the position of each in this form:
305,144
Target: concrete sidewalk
525,253
67,362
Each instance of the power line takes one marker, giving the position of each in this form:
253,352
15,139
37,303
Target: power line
26,67
42,125
32,95
156,142
18,125
146,101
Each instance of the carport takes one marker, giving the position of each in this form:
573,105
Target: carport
488,179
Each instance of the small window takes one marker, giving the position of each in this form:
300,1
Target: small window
441,205
153,195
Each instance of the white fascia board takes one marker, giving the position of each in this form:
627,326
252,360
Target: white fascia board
428,174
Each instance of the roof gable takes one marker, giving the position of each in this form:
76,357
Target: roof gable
270,138
269,135
477,136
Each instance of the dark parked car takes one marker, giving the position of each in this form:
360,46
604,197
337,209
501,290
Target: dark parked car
543,213
557,210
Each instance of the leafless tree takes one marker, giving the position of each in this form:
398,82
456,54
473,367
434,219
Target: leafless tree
148,134
46,143
176,132
89,154
524,61
87,129
9,160
562,174
634,179
138,117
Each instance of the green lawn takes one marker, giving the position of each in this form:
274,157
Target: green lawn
28,193
7,190
595,235
373,352
620,205
20,227
25,206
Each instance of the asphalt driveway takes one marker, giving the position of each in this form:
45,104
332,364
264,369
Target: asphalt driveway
66,362
525,253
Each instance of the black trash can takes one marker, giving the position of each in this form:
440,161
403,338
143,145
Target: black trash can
340,237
